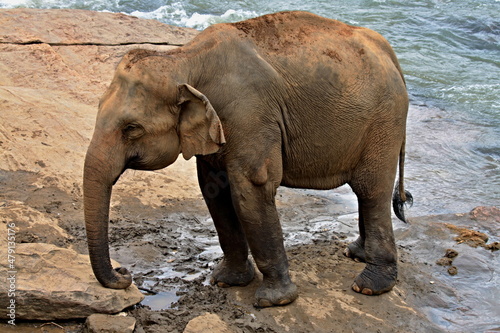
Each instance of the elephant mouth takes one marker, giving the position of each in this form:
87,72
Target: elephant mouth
134,162
117,178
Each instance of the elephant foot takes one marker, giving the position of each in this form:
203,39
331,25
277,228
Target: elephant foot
273,294
225,275
120,278
355,251
375,280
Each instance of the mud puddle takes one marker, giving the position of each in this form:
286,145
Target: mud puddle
162,300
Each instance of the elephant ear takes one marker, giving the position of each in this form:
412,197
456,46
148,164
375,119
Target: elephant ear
200,129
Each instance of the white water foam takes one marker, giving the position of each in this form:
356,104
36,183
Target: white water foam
176,14
97,5
12,3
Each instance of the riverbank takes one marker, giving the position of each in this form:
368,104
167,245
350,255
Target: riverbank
55,64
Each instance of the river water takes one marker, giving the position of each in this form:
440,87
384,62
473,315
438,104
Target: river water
450,53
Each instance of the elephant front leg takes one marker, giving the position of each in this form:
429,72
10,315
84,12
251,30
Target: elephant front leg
256,210
236,269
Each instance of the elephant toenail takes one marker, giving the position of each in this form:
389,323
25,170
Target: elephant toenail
356,288
264,303
284,301
367,291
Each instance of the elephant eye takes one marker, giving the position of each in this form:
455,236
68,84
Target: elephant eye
130,127
133,131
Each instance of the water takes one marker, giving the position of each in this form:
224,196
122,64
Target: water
450,53
162,300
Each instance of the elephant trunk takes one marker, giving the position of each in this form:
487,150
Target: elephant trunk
97,186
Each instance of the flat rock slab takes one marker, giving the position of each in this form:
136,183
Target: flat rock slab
101,323
70,26
55,283
54,67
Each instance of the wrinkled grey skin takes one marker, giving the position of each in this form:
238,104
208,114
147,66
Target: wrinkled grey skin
288,99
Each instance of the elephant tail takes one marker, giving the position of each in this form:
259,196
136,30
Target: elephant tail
401,197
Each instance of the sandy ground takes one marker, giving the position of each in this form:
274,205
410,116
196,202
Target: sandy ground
161,230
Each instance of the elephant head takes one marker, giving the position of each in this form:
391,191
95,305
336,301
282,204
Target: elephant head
146,118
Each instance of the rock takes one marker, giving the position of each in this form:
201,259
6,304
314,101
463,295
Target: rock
444,261
208,322
49,283
54,67
451,253
495,246
453,270
31,225
101,323
72,26
447,260
486,213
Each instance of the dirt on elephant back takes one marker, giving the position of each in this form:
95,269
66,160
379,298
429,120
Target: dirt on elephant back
160,228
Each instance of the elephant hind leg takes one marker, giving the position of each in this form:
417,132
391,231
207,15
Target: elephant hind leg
376,245
378,249
356,249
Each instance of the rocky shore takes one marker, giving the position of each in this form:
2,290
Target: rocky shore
54,66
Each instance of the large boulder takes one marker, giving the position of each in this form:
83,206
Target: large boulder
47,282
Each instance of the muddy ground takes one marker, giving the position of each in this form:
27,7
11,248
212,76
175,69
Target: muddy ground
172,248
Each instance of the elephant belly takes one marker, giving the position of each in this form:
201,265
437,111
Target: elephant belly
316,156
315,182
322,173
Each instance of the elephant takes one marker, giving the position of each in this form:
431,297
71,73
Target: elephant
286,99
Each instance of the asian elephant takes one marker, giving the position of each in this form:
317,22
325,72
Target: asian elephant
288,99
